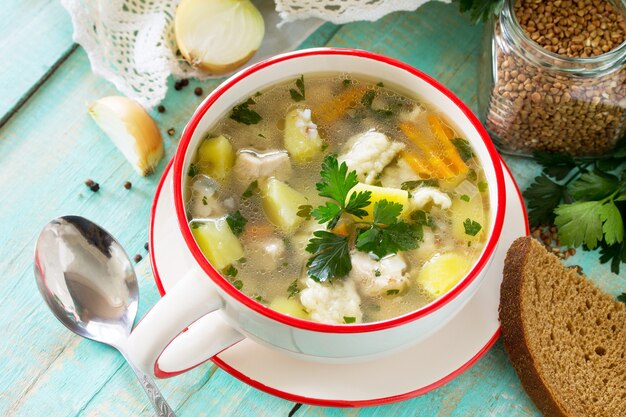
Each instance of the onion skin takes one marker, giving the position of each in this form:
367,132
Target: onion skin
218,36
131,129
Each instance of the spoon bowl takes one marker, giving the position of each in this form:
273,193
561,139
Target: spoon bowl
88,282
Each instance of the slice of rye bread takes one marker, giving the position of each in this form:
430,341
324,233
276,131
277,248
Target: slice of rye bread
565,337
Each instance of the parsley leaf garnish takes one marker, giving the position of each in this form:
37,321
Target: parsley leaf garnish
236,222
594,185
480,10
331,256
298,95
411,185
349,319
242,113
471,227
557,166
368,98
336,185
464,148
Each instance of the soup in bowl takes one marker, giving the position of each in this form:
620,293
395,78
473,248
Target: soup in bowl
339,205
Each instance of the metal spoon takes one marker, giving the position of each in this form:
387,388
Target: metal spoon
88,282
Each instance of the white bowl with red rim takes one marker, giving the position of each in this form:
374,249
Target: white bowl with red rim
159,344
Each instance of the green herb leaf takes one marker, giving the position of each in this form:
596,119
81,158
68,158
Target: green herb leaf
236,222
464,148
238,284
480,10
622,297
357,202
298,95
329,212
193,170
293,289
393,292
368,98
465,198
304,211
615,254
420,217
252,188
349,320
579,223
411,185
483,186
380,84
242,113
594,185
386,212
230,271
612,224
555,165
543,195
346,82
205,201
471,227
338,181
331,256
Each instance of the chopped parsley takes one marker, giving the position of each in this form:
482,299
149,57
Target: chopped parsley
193,170
420,217
380,84
238,284
293,289
483,186
377,273
349,319
205,200
622,297
261,135
393,292
465,197
298,95
411,185
471,227
231,271
368,98
260,299
464,148
304,211
252,188
471,175
236,222
242,113
346,82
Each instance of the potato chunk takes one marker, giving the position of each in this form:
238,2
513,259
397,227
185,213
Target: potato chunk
302,140
393,195
461,211
217,242
216,157
281,204
442,272
290,307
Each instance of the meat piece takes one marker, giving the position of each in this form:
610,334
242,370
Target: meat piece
387,276
266,253
331,302
368,154
204,201
424,195
251,165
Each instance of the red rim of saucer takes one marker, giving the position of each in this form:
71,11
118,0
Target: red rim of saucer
317,401
227,287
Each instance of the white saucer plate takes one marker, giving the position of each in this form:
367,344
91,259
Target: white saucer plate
414,371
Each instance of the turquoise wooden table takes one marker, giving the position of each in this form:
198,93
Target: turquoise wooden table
49,146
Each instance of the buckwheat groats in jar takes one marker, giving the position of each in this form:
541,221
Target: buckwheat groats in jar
558,77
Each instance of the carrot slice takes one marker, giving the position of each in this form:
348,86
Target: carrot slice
443,133
420,167
332,110
439,168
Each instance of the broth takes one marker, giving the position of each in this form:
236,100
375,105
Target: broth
253,203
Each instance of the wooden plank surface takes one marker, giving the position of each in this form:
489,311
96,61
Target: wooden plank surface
50,146
35,37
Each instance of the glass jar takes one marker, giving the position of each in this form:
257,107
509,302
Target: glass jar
531,99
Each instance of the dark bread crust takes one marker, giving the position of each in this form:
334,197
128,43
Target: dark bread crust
513,335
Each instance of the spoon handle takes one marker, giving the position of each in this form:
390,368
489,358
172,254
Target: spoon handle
161,406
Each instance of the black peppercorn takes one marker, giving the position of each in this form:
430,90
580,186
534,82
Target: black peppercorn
198,91
128,185
184,82
146,246
178,86
94,187
171,131
161,108
137,258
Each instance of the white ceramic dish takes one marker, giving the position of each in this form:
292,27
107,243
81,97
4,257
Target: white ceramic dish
414,371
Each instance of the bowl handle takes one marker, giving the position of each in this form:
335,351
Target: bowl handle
178,334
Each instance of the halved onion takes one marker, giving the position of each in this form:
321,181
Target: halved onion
218,36
131,129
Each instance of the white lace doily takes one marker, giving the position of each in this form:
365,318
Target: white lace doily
131,42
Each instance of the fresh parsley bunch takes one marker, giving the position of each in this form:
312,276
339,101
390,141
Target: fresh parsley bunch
385,234
586,200
480,10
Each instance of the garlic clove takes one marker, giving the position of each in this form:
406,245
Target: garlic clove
131,129
218,36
